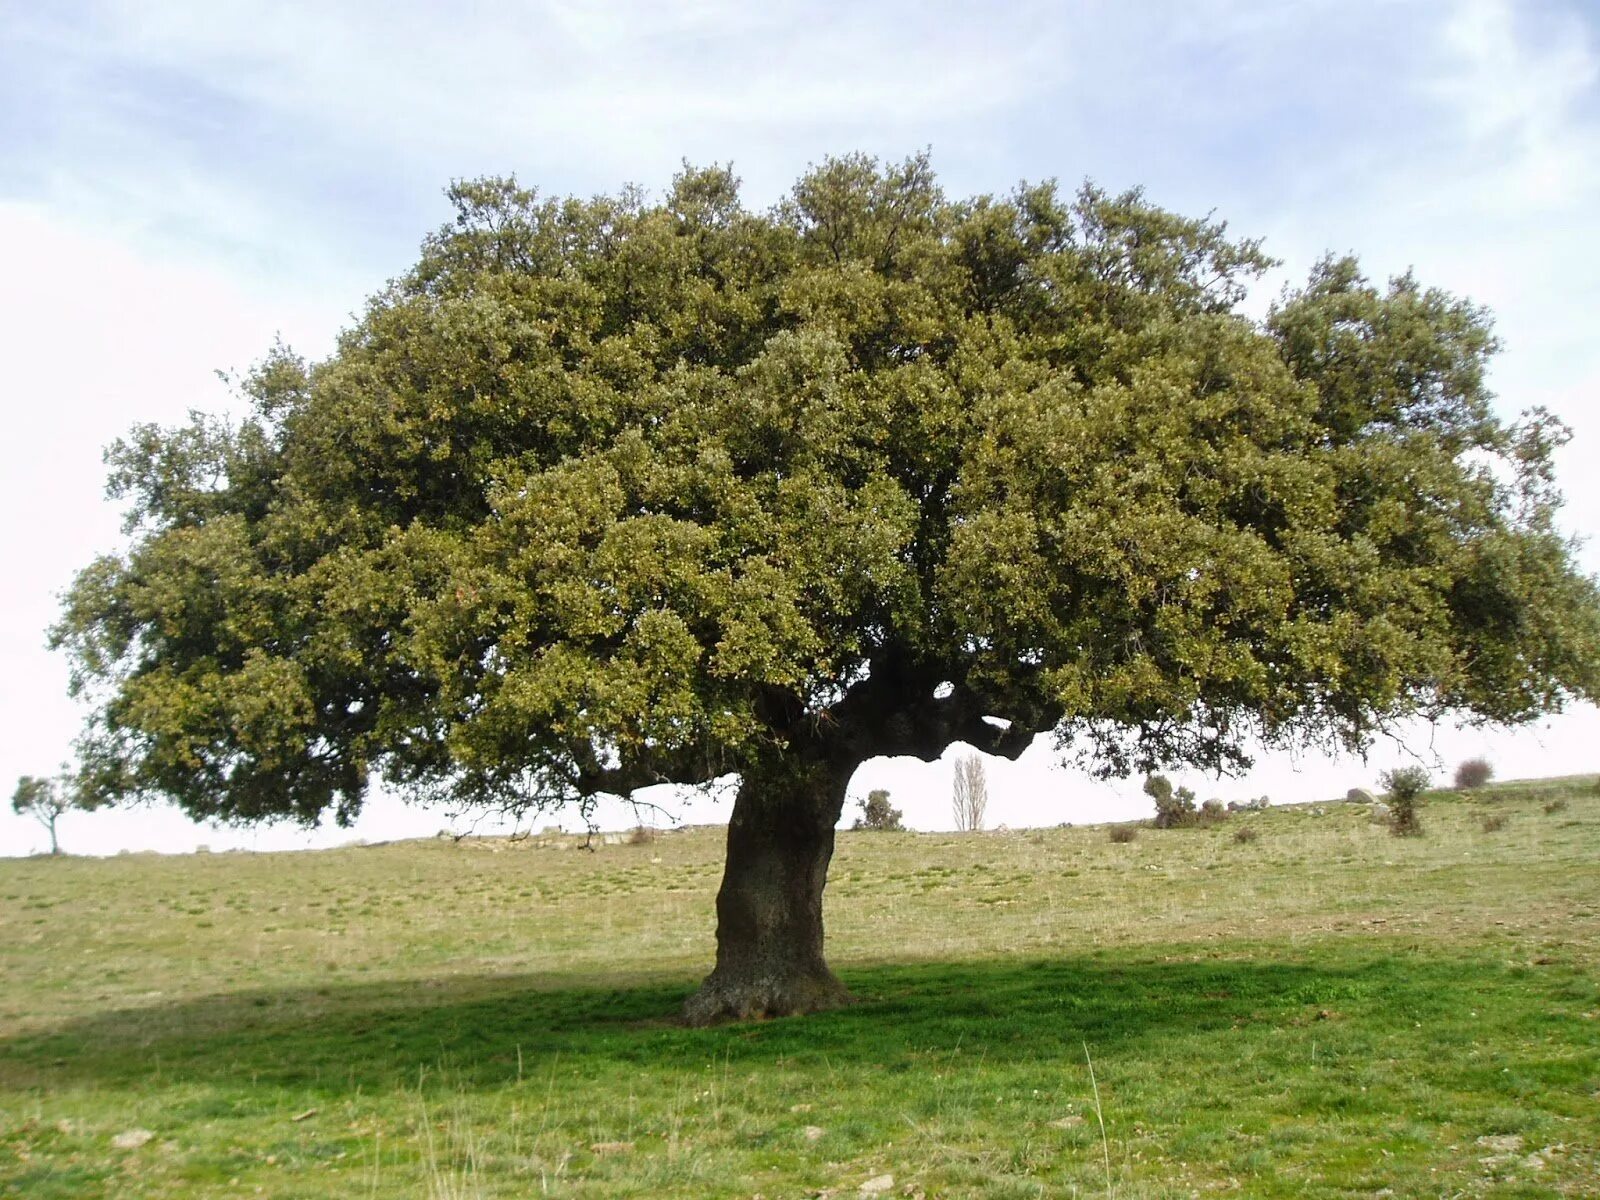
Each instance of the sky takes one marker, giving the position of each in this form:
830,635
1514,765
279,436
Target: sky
184,183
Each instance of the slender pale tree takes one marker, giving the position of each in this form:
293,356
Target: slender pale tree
46,801
607,493
969,801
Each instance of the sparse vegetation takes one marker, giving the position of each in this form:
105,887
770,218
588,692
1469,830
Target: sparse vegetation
1404,787
1494,822
1123,834
1557,805
1473,773
1246,833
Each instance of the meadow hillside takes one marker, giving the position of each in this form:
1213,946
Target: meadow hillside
1312,1008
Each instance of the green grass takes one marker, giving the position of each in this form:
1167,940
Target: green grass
1325,1011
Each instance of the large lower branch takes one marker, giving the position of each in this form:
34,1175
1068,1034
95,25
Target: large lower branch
884,717
636,770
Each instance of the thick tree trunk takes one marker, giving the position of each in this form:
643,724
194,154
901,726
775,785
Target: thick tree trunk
769,910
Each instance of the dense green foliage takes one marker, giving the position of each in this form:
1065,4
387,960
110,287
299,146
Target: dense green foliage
878,814
1404,787
1174,808
605,493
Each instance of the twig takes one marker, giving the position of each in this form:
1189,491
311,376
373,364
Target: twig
1105,1146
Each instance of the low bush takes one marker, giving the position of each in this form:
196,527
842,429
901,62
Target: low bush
1494,823
1173,808
1405,786
1247,833
1122,834
641,835
1473,773
877,815
1555,806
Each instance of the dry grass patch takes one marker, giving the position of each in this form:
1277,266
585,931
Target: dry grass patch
1336,1012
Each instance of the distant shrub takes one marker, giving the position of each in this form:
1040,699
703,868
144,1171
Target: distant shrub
1246,833
1494,823
641,835
1556,806
1173,808
1124,833
1212,812
1405,783
1474,773
1405,786
877,815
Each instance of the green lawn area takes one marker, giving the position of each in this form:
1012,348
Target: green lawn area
1323,1011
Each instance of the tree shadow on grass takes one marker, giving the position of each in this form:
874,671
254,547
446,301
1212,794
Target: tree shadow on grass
486,1030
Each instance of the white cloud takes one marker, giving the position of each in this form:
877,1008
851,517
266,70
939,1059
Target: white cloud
521,80
1509,76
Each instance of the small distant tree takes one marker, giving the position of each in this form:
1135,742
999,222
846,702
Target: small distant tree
1173,808
45,800
971,798
877,814
1474,773
1405,786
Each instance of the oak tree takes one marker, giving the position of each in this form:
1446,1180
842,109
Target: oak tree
606,493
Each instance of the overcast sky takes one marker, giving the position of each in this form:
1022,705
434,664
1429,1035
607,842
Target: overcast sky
183,182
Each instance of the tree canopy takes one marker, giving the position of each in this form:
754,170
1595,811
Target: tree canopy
605,493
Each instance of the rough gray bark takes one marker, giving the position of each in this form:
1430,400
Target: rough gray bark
769,909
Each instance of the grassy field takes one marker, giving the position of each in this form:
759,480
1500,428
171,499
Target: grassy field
1322,1011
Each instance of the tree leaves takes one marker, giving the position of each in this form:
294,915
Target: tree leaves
607,492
